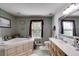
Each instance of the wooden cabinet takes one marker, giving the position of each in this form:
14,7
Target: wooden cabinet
60,52
50,47
19,49
55,50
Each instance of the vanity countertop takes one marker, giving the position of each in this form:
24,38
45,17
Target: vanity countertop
65,47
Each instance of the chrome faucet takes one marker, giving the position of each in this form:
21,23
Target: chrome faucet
76,42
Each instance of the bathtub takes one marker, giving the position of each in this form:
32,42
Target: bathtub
15,41
16,47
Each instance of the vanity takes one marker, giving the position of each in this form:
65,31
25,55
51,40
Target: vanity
58,47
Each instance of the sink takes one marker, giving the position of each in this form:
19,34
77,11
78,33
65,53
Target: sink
73,45
76,48
65,41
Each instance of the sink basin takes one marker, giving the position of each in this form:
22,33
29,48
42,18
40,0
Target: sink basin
65,41
73,45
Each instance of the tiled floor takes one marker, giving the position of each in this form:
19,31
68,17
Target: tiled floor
40,52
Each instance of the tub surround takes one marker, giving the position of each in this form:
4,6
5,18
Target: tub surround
8,31
15,41
16,47
66,48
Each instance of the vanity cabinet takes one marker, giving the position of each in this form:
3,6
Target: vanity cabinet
55,50
50,48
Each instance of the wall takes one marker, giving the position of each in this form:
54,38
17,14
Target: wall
24,22
23,28
7,31
21,25
56,19
77,25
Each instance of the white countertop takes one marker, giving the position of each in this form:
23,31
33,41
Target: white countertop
65,47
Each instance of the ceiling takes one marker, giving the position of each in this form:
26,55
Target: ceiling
24,9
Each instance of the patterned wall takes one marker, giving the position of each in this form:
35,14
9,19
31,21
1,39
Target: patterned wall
23,24
7,31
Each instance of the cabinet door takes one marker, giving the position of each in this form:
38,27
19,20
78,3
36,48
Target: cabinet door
60,52
20,49
55,50
25,47
11,51
50,48
29,52
2,52
30,45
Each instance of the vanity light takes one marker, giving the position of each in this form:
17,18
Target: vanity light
71,9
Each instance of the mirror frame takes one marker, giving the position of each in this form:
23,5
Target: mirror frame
6,19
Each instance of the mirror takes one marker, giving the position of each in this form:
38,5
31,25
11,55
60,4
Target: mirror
69,24
5,23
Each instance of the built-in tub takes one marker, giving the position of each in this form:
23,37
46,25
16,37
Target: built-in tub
15,41
16,47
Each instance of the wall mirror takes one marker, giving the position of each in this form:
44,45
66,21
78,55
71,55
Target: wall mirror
69,24
5,23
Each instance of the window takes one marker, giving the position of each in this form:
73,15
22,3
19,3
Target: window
68,27
36,28
4,22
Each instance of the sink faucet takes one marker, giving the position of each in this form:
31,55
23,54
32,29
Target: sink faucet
76,41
